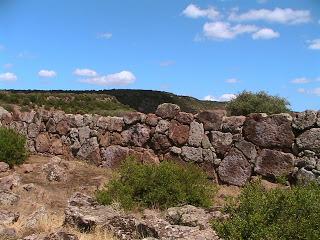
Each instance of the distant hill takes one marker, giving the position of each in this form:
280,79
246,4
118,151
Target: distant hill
103,102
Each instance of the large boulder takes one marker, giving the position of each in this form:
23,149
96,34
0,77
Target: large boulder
113,156
309,140
233,124
212,120
178,133
167,110
304,120
234,168
196,134
273,164
273,131
184,118
43,143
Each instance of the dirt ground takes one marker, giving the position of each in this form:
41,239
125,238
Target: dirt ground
53,196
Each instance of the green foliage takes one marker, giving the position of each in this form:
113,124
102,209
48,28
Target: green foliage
261,102
12,147
165,185
281,214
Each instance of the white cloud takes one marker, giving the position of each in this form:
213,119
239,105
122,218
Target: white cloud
223,98
301,80
278,15
105,35
314,44
224,30
301,90
265,33
232,80
8,76
85,72
193,11
121,78
314,91
8,65
167,63
47,74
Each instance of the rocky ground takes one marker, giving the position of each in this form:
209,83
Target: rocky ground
49,198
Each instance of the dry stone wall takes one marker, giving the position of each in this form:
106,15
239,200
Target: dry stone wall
231,149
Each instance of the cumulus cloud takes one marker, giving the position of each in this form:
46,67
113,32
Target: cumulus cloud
265,33
301,80
121,78
232,80
85,72
47,73
223,98
278,15
105,35
314,44
193,11
224,30
8,77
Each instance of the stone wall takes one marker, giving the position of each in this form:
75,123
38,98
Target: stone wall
231,149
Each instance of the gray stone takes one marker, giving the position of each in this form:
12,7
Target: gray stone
309,140
7,217
8,197
84,134
113,156
208,155
233,124
304,120
196,134
221,142
33,130
132,117
212,120
304,177
205,143
191,154
248,149
234,168
167,110
137,135
162,126
4,167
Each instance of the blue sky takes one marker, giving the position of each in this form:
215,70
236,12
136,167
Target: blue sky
206,49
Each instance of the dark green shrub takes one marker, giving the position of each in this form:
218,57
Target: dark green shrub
278,214
12,147
261,102
161,186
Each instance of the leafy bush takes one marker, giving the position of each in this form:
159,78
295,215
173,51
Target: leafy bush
281,214
165,185
261,102
12,147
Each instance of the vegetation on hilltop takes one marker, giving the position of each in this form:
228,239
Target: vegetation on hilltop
104,102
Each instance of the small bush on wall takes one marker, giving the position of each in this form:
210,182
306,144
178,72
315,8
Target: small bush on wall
261,102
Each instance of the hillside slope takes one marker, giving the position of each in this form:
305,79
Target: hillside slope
104,102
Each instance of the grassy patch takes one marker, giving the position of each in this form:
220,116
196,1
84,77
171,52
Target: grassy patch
12,147
161,186
281,214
